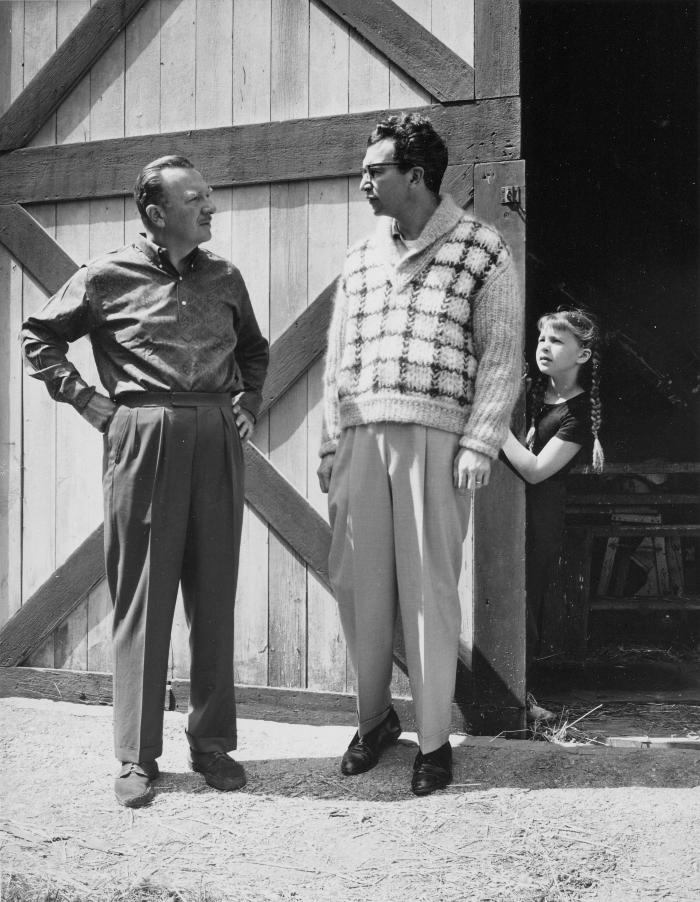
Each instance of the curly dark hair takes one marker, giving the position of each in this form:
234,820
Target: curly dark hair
416,143
149,186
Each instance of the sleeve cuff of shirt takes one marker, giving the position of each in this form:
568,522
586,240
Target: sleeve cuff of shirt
83,398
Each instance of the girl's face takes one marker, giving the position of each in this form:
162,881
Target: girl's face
559,352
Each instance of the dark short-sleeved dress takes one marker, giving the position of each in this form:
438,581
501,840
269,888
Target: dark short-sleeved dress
569,421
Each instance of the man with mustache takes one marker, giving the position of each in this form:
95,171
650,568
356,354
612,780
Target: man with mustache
180,355
422,372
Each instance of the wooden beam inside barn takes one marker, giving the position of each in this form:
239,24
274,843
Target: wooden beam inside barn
411,47
296,149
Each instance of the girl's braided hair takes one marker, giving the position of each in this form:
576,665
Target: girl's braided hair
586,330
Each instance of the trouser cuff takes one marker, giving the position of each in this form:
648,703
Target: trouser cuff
204,744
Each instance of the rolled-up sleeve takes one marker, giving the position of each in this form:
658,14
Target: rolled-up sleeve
45,337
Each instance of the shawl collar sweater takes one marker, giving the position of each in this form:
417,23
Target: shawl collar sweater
431,336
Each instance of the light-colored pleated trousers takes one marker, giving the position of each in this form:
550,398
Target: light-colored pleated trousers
398,529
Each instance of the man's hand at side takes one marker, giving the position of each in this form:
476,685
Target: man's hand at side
98,411
325,468
471,470
244,422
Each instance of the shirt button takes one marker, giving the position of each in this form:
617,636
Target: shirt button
184,303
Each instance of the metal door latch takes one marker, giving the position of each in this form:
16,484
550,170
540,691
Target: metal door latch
510,195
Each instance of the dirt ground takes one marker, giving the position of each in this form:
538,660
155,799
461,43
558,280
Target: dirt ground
523,820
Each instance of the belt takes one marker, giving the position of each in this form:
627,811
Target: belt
174,399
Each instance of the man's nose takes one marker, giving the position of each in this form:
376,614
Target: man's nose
364,181
210,206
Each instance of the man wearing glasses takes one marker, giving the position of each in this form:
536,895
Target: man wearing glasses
422,372
183,362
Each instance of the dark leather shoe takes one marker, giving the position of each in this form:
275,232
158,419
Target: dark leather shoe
219,770
362,754
432,771
132,786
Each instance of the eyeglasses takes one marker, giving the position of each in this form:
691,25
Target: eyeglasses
371,172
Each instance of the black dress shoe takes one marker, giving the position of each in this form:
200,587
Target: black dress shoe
432,771
220,770
362,754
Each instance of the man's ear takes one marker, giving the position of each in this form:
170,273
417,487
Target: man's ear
417,175
155,215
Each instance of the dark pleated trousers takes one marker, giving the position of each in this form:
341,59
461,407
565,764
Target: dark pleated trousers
174,491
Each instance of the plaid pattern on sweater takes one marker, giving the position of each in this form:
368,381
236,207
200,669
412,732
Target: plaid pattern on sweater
413,336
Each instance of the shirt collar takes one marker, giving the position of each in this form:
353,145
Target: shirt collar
445,217
159,255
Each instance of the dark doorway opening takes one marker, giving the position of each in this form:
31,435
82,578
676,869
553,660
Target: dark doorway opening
610,136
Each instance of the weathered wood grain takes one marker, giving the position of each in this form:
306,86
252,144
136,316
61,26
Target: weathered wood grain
409,45
34,248
289,514
86,43
67,587
497,48
498,654
319,147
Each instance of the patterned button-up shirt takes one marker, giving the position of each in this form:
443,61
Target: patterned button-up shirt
151,328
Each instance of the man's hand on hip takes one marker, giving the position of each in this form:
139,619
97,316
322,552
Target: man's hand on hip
98,411
325,468
471,470
244,422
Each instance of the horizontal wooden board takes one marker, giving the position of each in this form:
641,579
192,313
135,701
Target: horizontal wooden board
255,702
408,45
53,601
645,603
647,499
643,467
54,81
321,147
34,248
669,529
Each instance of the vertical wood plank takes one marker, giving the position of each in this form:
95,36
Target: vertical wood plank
11,83
496,48
142,72
214,64
39,411
328,221
40,22
75,439
70,640
289,92
178,63
72,116
252,25
106,216
498,651
453,24
250,251
404,92
99,626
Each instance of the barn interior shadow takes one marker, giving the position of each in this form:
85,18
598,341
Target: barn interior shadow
610,135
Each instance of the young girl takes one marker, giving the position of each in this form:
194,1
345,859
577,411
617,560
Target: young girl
565,420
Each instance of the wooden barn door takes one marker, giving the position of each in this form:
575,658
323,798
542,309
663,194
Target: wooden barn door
273,100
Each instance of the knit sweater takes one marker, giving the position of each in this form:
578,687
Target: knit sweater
432,336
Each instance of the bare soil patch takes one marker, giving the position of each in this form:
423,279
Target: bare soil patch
523,821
